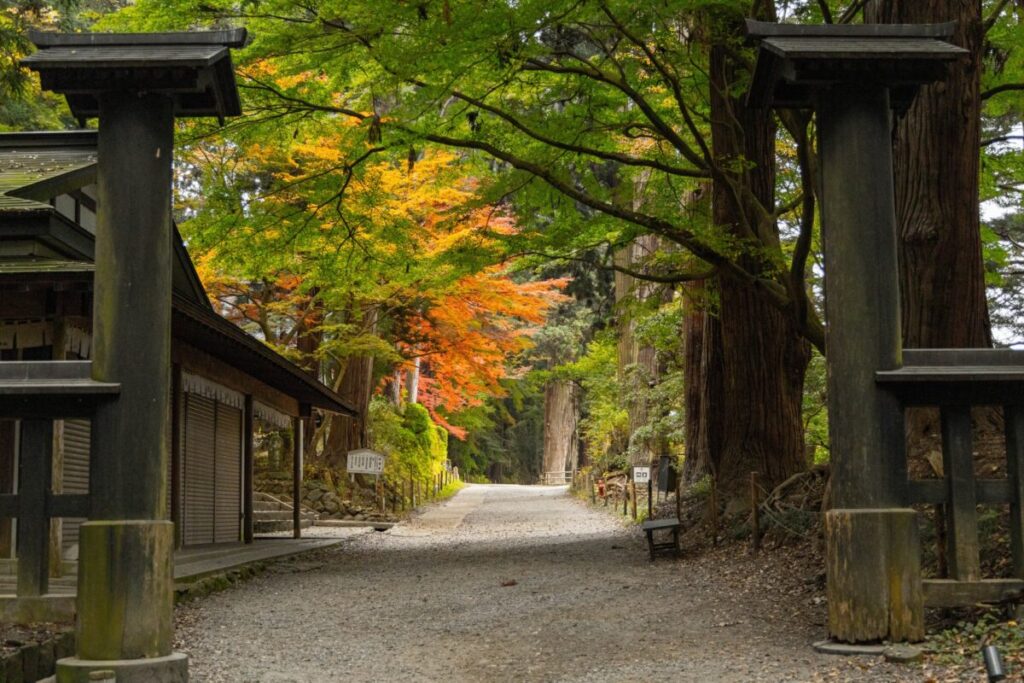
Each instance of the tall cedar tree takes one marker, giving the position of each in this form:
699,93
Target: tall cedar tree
936,167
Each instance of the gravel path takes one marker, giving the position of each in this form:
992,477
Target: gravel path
511,583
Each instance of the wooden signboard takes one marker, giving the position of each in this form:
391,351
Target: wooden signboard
365,461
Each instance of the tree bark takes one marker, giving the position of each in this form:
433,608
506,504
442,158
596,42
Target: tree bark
561,427
637,362
307,341
703,373
413,381
752,421
936,167
355,386
349,433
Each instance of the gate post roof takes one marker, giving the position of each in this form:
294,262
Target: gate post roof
795,61
194,68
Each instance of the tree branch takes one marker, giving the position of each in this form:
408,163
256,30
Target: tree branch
997,11
675,278
999,89
851,12
1001,138
660,125
624,159
826,13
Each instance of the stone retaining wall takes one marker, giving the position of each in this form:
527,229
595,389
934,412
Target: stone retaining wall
33,661
320,498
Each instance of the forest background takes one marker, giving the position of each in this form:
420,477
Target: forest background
538,235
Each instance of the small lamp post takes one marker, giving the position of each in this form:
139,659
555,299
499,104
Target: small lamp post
993,663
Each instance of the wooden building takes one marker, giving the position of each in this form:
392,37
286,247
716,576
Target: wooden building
223,380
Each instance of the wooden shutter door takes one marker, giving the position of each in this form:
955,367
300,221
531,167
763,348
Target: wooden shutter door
76,471
199,457
229,474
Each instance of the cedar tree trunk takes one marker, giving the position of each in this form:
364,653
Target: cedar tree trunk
561,427
752,421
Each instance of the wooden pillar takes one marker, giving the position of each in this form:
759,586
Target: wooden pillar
1014,416
297,478
862,296
125,578
962,557
177,429
56,552
248,445
33,521
873,558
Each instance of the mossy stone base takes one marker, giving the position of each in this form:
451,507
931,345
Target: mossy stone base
125,590
33,610
873,567
170,669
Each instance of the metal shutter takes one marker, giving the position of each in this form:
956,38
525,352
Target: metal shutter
76,471
229,473
200,420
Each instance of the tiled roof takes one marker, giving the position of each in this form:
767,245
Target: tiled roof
30,162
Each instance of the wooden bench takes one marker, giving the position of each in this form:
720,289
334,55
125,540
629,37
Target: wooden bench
666,547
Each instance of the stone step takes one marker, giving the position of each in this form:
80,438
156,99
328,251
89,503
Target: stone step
267,527
281,515
267,506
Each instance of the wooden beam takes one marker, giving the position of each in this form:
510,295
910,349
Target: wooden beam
961,510
248,448
33,522
194,360
859,236
68,505
936,491
950,593
59,352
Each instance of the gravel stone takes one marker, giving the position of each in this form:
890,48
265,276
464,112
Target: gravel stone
509,583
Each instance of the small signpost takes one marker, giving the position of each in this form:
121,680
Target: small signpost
642,475
365,461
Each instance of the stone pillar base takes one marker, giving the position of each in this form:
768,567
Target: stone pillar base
873,566
170,669
125,590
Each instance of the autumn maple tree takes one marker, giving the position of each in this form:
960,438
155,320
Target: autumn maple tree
405,273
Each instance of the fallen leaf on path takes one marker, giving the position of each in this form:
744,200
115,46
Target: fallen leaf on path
509,582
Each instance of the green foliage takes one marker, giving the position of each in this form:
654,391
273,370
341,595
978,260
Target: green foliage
504,436
815,408
961,643
415,446
605,420
22,105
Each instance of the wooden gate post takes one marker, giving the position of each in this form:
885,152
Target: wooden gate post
125,578
853,76
873,552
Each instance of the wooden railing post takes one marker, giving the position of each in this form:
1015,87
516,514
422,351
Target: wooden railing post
755,515
961,509
1014,417
33,521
